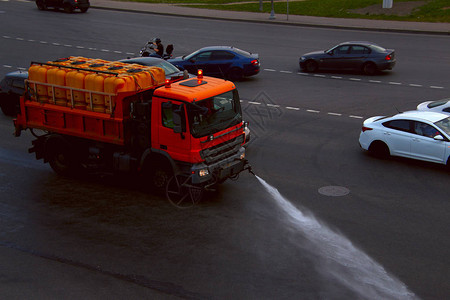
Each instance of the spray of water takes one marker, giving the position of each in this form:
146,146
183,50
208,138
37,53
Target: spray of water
340,259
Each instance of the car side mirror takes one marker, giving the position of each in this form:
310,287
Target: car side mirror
192,60
438,138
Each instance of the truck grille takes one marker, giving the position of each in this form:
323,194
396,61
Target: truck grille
222,150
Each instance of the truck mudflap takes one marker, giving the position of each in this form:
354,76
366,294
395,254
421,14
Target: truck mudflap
186,190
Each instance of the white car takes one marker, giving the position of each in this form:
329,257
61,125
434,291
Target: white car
437,106
414,134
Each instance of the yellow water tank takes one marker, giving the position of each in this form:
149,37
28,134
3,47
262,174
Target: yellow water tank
38,73
94,82
56,76
75,80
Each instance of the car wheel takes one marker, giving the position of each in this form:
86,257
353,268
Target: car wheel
311,66
68,8
41,5
83,10
235,74
369,68
379,149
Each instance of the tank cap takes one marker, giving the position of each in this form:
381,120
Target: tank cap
80,62
134,70
61,60
115,68
96,65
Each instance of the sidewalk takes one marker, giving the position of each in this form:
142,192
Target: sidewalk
378,25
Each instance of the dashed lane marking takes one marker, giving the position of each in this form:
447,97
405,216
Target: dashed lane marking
293,108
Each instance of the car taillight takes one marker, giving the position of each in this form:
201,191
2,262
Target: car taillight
255,62
364,128
388,57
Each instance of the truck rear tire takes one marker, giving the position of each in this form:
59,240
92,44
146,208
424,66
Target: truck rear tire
61,160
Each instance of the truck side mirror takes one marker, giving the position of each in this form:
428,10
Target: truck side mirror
179,126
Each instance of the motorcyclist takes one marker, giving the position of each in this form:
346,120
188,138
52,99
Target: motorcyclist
154,48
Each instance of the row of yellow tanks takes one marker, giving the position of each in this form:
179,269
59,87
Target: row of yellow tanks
88,84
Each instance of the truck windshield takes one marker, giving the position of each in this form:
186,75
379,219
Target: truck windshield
214,114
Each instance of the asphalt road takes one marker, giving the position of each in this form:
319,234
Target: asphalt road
359,227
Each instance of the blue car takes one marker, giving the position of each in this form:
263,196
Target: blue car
220,61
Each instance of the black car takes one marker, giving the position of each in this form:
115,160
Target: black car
11,88
360,56
220,61
68,5
172,72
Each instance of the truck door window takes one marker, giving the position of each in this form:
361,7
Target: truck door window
167,117
167,114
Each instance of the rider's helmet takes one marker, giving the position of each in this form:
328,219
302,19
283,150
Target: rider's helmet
157,40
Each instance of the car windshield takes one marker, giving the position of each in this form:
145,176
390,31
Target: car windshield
444,125
214,114
167,67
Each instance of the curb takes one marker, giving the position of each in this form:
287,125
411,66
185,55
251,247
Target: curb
276,22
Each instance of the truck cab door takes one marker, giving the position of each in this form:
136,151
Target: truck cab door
173,134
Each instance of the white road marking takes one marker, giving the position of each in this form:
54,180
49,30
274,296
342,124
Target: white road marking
252,102
286,72
292,108
272,105
395,83
355,117
270,70
313,111
355,79
334,114
436,87
415,85
375,81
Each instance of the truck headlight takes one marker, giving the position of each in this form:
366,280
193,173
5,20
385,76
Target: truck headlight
242,156
203,172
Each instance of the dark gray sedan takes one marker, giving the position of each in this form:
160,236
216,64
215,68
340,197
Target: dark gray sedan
12,87
360,56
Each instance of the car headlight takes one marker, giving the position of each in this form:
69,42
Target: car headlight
302,58
203,172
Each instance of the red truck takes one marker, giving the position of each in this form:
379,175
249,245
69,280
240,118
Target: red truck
182,137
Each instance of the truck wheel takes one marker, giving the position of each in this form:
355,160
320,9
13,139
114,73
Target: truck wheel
61,160
160,176
181,193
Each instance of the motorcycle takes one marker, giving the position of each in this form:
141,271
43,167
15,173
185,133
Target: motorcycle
148,51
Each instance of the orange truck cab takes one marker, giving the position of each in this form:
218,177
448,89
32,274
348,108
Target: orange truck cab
182,137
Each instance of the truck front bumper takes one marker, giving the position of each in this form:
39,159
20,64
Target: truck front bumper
219,171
